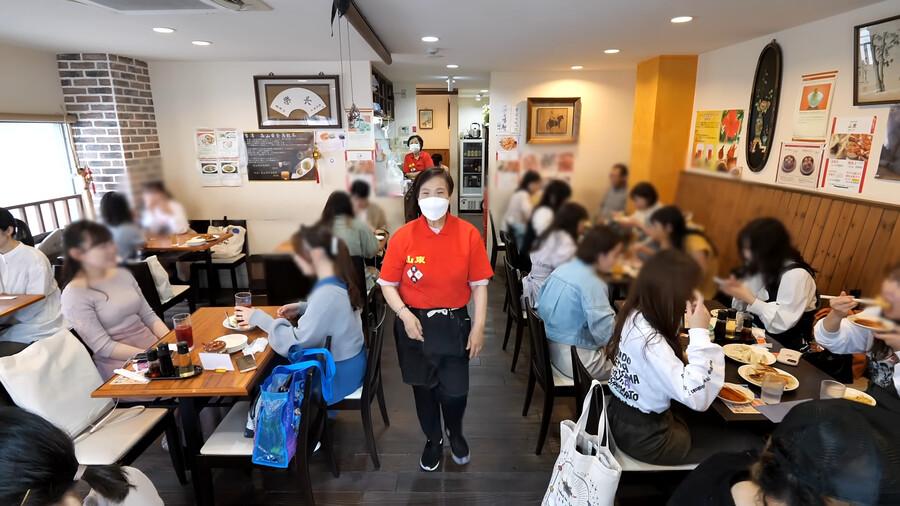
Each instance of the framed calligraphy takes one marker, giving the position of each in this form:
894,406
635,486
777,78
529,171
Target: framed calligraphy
297,102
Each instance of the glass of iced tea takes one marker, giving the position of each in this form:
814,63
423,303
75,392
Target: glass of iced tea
183,329
243,299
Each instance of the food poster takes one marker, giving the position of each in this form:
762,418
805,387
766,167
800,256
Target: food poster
330,141
218,156
361,132
281,156
848,150
508,147
227,143
799,164
360,167
814,106
565,166
889,162
205,141
716,137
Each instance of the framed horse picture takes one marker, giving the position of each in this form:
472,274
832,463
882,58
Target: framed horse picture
553,120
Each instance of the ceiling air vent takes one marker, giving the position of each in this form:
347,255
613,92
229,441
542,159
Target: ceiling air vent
176,6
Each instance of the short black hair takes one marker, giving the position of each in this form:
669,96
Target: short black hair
623,169
646,191
530,176
437,159
360,189
115,210
424,177
7,220
411,137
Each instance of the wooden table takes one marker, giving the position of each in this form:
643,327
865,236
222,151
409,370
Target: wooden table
10,306
193,393
176,243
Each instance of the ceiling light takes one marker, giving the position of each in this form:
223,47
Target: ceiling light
682,19
430,38
610,51
484,91
452,66
478,98
201,42
577,67
163,29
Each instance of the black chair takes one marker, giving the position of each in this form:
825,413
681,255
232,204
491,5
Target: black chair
372,385
516,312
505,237
496,246
553,383
278,277
583,381
222,264
181,293
23,233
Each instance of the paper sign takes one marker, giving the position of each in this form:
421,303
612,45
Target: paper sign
777,412
216,361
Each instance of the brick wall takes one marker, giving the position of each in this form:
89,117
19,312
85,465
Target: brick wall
115,128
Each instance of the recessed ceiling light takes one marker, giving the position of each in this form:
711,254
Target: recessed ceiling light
430,38
484,91
201,42
577,67
682,19
163,29
452,66
610,51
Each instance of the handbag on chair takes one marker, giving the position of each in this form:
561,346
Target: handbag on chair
585,473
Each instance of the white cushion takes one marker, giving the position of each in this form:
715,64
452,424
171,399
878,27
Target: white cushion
228,260
560,379
176,291
228,438
630,464
116,436
356,395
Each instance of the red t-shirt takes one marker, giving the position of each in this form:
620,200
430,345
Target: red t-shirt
434,270
413,164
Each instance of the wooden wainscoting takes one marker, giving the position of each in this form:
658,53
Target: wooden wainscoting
850,243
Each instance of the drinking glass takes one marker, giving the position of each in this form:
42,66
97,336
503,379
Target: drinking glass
830,389
772,388
184,331
243,299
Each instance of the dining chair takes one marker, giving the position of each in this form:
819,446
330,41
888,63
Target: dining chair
228,448
516,313
496,245
552,381
223,264
278,277
583,380
180,293
511,255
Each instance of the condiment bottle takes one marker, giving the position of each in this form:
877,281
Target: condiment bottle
166,367
140,363
153,370
183,360
719,329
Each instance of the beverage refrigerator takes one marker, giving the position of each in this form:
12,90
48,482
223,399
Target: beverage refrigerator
471,175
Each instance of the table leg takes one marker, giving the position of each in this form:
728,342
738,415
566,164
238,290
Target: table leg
212,279
189,415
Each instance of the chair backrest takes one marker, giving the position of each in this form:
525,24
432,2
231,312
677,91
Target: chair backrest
514,285
279,278
540,350
309,411
359,269
225,221
57,274
494,243
199,226
581,376
373,358
141,273
512,251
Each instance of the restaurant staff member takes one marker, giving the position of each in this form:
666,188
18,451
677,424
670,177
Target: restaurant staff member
416,160
433,266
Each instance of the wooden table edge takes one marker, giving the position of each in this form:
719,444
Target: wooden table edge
188,249
32,299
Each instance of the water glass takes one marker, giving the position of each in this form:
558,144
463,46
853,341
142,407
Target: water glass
772,388
243,299
184,331
830,389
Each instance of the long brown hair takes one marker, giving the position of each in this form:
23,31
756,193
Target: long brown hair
320,236
81,234
666,282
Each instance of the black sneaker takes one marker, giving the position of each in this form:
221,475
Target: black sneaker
431,456
459,449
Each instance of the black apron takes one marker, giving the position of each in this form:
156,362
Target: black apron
441,360
797,337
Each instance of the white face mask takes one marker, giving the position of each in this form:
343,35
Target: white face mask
414,148
434,208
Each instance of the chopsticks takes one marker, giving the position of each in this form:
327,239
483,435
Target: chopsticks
868,302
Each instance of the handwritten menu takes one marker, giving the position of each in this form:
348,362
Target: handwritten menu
280,156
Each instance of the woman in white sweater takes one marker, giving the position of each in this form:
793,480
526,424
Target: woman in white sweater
649,372
554,247
519,208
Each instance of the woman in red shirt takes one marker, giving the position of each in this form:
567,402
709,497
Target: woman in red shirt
416,160
433,266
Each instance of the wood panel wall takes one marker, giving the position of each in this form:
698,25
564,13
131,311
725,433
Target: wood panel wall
850,243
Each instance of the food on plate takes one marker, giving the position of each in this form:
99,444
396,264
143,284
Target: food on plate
732,394
233,321
214,346
508,143
229,169
748,354
870,322
760,371
207,139
209,169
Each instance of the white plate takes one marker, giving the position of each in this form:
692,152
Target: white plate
233,342
888,325
852,394
745,370
742,389
734,351
227,325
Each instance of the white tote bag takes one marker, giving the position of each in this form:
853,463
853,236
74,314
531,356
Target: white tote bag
585,473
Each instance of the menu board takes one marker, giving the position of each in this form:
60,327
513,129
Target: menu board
281,156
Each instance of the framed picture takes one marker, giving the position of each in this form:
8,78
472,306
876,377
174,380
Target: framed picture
553,120
764,107
876,75
292,102
426,119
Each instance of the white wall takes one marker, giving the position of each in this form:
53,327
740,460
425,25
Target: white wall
470,112
29,82
188,95
607,103
725,76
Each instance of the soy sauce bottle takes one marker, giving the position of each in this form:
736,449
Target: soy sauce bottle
166,367
153,370
719,329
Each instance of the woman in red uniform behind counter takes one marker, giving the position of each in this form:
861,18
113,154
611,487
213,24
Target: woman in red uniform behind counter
433,265
416,160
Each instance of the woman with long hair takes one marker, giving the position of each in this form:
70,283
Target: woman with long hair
554,247
162,214
669,230
339,215
38,467
102,301
518,210
118,217
333,309
775,284
555,194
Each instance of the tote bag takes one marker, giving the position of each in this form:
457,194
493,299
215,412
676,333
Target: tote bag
585,473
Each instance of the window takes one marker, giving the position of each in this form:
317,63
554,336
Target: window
35,162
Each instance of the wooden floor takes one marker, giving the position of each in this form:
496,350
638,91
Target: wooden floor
504,469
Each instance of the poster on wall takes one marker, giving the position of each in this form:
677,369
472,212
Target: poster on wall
330,141
218,152
360,167
361,133
281,156
799,164
814,106
849,147
716,136
507,119
889,162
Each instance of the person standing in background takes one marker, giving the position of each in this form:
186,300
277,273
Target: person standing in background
616,196
519,208
438,161
365,210
162,215
117,216
416,160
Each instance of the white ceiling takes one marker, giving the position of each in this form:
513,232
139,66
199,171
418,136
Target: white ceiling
479,35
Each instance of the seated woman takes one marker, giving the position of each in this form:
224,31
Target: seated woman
554,247
574,304
25,270
38,467
838,335
555,194
668,229
776,284
518,209
103,302
649,372
162,214
333,309
117,215
357,236
645,200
